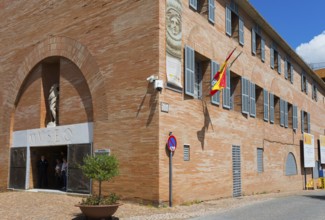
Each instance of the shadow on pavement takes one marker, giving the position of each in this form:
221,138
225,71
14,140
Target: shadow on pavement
83,217
315,197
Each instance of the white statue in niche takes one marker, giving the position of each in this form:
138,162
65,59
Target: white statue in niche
53,101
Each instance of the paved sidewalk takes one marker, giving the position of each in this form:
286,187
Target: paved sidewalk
48,206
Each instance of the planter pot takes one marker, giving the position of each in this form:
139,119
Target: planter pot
98,211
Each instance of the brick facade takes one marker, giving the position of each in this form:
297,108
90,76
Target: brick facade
101,54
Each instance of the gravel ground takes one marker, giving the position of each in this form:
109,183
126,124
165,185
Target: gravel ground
48,206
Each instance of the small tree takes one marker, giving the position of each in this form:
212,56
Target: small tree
101,168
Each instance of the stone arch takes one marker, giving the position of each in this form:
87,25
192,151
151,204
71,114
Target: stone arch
76,53
281,89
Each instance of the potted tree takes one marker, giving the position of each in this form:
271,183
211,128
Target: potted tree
100,168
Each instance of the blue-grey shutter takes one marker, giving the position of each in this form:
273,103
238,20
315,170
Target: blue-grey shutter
226,92
286,119
281,112
271,108
241,31
316,96
279,63
266,105
286,69
306,85
302,114
272,58
302,82
253,41
308,122
245,95
291,166
211,11
259,160
252,96
193,4
215,99
189,71
291,72
228,21
295,118
263,50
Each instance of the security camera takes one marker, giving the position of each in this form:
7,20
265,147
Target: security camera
152,78
159,85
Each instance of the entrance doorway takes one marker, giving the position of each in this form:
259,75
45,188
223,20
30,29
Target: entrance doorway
51,154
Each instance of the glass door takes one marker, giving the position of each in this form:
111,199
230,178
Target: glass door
76,181
17,179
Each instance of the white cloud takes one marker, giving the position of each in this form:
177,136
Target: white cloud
314,50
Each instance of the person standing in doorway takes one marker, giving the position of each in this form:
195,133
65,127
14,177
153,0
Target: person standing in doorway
42,166
64,170
58,177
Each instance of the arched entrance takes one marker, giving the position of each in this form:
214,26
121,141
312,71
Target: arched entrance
64,129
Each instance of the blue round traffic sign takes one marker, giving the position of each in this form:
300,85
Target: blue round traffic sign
172,143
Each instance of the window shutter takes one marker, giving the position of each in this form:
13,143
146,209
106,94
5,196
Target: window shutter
245,95
252,102
272,58
292,73
286,119
281,112
241,31
302,121
306,85
316,97
211,11
193,4
228,21
189,71
253,41
295,118
308,122
266,105
263,50
259,160
279,63
285,69
302,82
226,92
271,108
215,99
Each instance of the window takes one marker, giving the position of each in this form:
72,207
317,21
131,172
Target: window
260,102
248,97
234,23
314,92
291,166
232,94
204,7
288,70
258,43
304,83
275,61
196,66
260,167
305,121
277,110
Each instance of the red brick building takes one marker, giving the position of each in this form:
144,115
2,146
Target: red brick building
246,139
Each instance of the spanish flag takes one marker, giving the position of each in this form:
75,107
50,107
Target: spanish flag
219,80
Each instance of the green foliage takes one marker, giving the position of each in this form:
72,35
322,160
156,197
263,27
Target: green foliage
100,167
96,200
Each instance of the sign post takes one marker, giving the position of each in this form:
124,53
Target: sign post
171,144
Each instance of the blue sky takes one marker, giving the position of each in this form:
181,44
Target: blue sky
300,23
